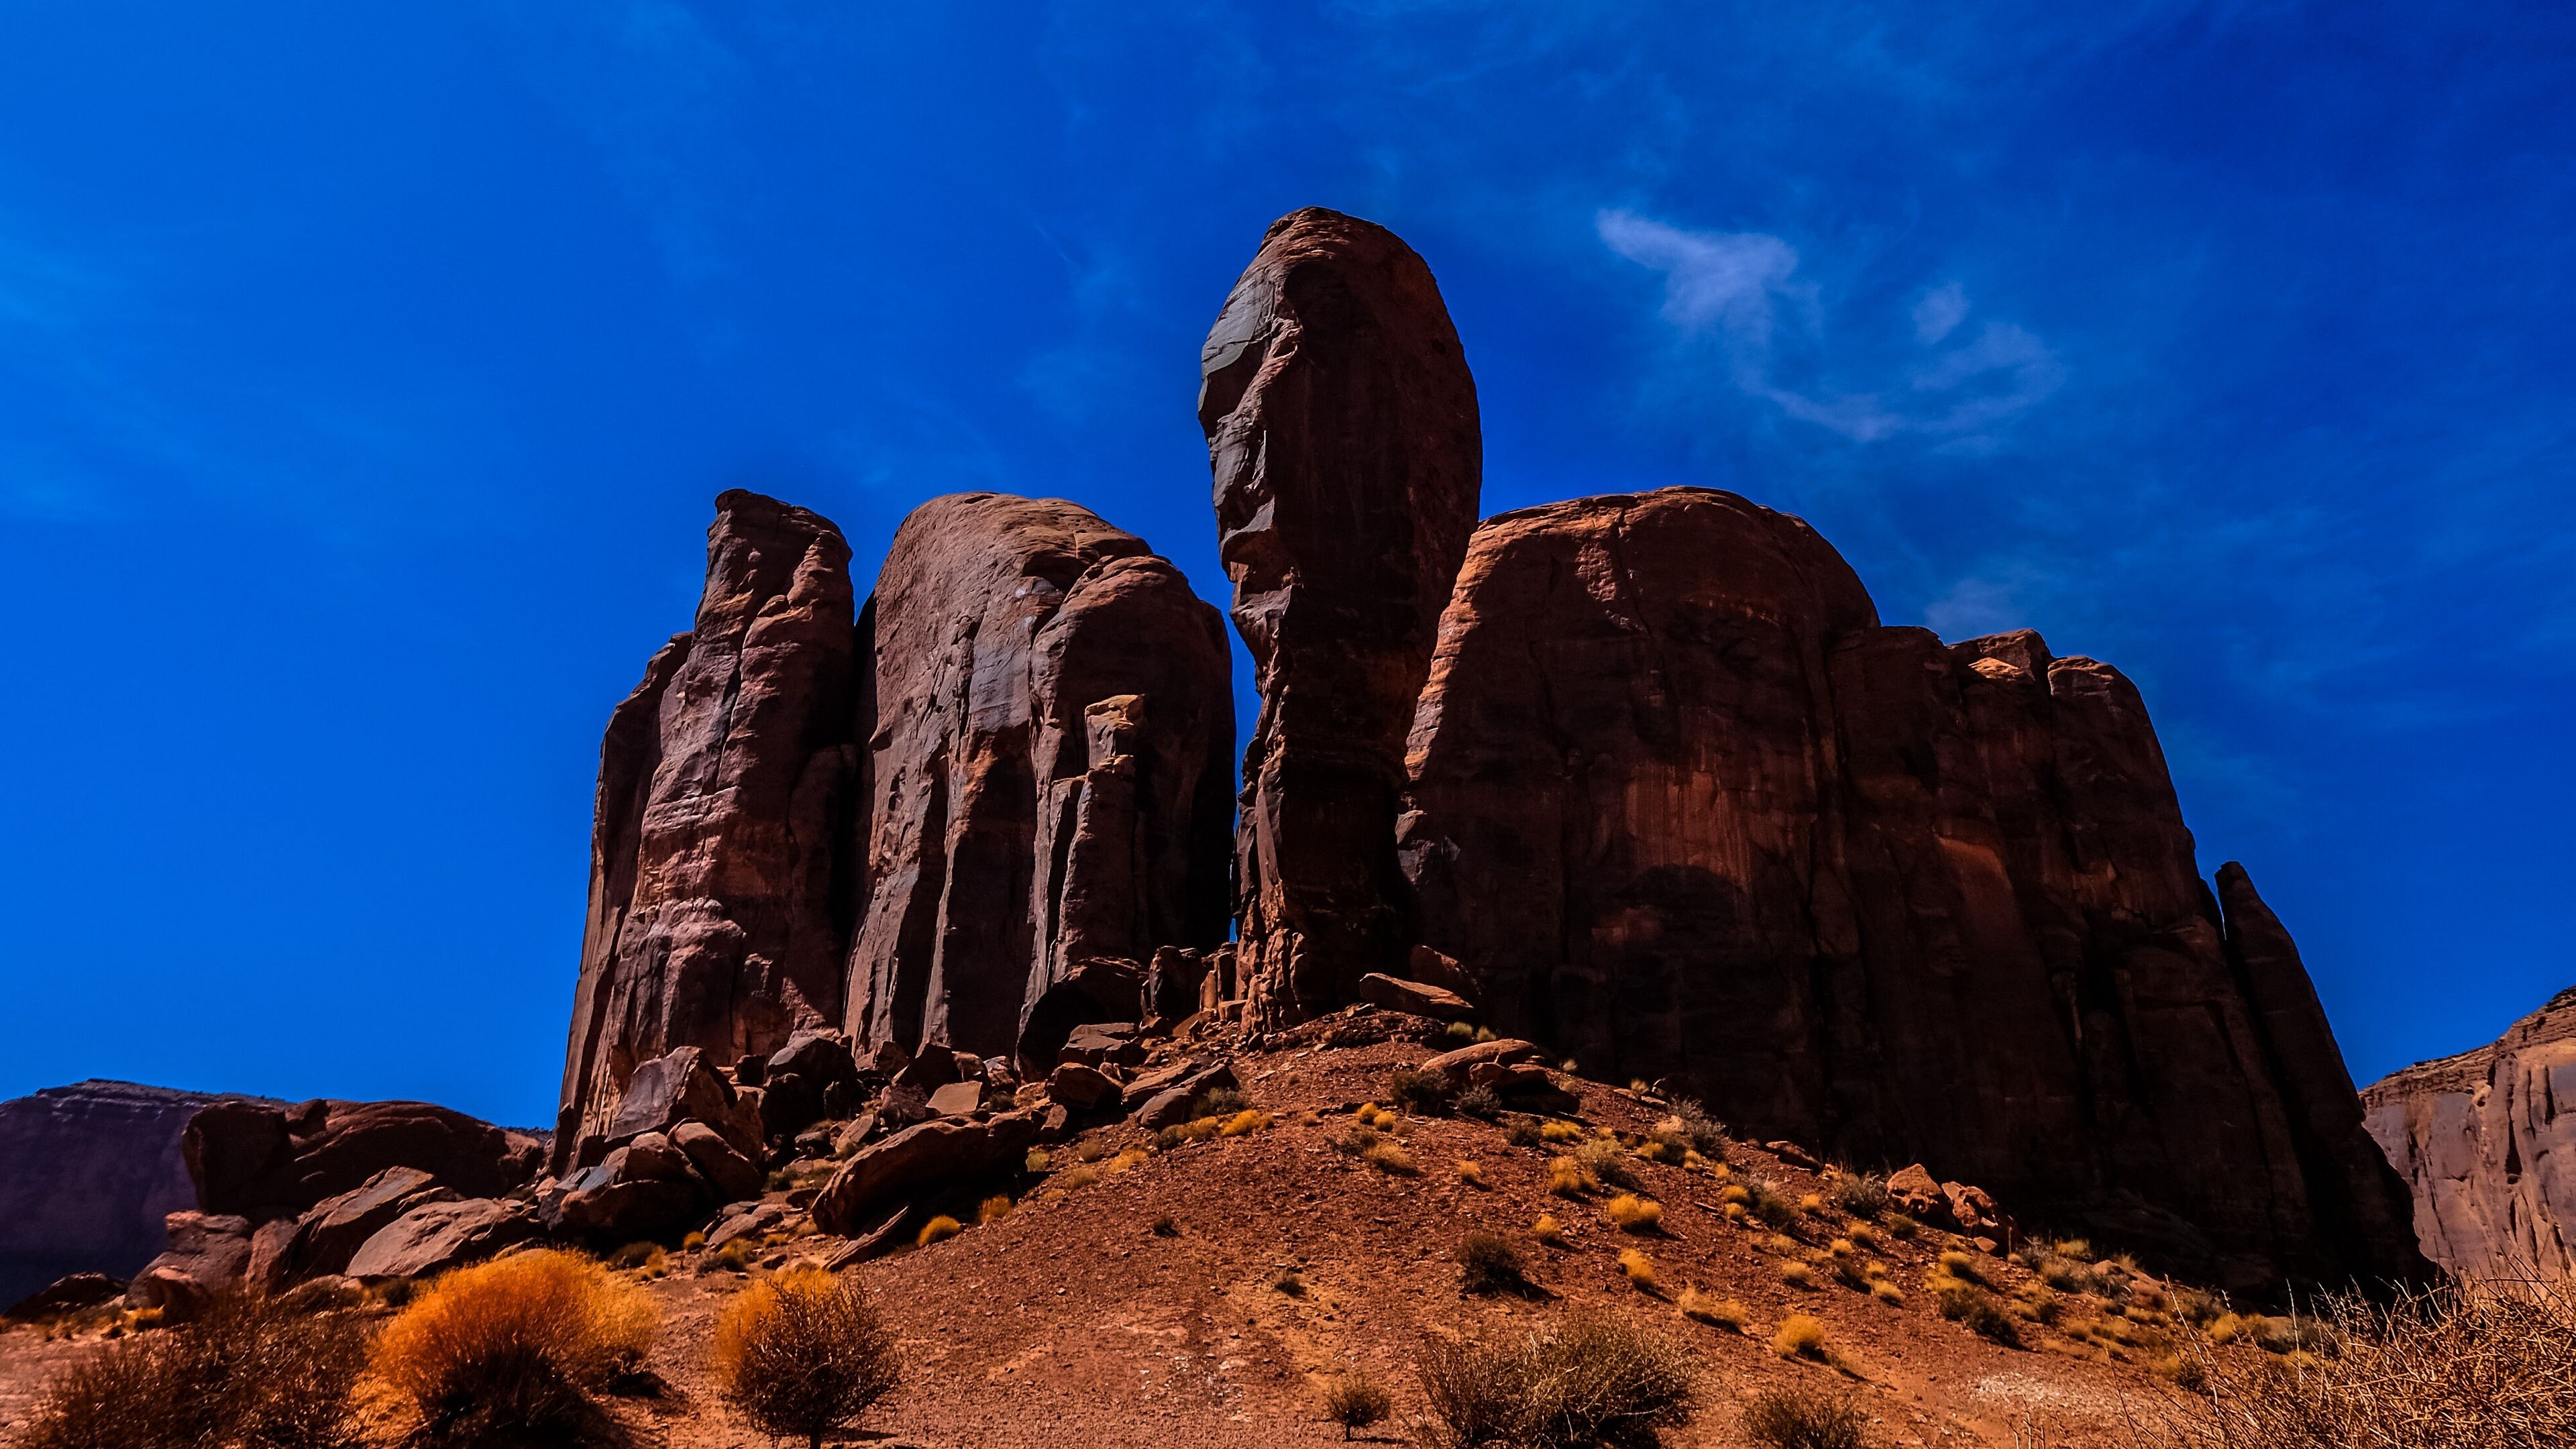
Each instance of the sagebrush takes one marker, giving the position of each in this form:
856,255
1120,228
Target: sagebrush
1589,1380
520,1345
804,1353
255,1372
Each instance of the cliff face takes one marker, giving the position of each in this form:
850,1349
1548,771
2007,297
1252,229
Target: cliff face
1051,779
726,782
91,1170
1683,807
911,819
1342,429
2487,1142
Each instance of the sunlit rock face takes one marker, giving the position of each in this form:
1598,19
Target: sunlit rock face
1684,809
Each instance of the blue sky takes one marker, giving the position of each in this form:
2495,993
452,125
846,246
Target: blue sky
366,373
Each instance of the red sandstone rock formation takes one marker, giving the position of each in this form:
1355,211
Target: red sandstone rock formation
1342,428
726,785
2487,1141
1682,808
262,1160
1051,780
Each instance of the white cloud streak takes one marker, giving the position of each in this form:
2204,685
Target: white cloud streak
1741,291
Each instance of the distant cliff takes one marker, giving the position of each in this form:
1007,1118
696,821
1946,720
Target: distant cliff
86,1174
2487,1142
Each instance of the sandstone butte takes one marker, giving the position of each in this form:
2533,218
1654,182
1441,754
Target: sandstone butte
2487,1140
1648,769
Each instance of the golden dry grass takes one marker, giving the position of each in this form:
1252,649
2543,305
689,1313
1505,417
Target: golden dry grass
1634,1214
515,1345
1800,1336
2464,1366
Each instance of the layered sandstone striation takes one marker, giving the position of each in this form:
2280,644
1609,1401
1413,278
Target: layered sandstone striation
2487,1142
1052,779
726,783
1683,808
1342,430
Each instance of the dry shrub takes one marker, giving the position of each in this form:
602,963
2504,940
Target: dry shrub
1076,1177
1967,1303
1796,1418
1524,1131
995,1208
1472,1174
1590,1380
1768,1203
1861,1194
516,1345
1800,1336
804,1353
1482,1103
1797,1274
1726,1313
2463,1366
1601,1158
1037,1160
1565,1177
1640,1270
1635,1214
1388,1156
1490,1264
938,1230
1425,1094
1560,1131
1886,1292
1548,1230
1357,1403
1244,1123
251,1372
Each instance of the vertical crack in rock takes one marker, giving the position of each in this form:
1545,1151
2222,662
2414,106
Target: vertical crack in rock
1343,437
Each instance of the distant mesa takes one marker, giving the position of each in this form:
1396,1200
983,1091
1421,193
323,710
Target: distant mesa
2487,1142
90,1172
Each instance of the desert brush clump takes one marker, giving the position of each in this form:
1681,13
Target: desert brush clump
1634,1214
2460,1365
1548,1230
1601,1159
1800,1336
1482,1103
938,1230
803,1353
1639,1268
1861,1194
1560,1131
1356,1403
1565,1177
1796,1273
1799,1418
1765,1203
1966,1301
1588,1380
1488,1263
1727,1313
1472,1173
250,1371
517,1346
995,1208
1424,1094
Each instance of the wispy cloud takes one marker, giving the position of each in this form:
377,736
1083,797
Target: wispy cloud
1741,292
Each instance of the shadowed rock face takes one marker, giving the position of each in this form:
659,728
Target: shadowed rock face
1051,780
1342,430
725,792
2487,1142
1684,809
90,1172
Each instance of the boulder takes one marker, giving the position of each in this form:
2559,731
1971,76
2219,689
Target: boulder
2484,1142
958,1099
680,1087
1102,1043
87,1174
1190,1077
1055,734
332,1233
1918,1195
1971,1211
789,1104
1420,998
733,1175
607,1202
262,1161
887,1059
68,1294
1343,437
920,1160
1508,1049
1172,982
1081,1086
656,1157
745,1220
842,1100
855,1133
432,1237
819,1055
721,839
209,1254
1691,813
1526,1085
